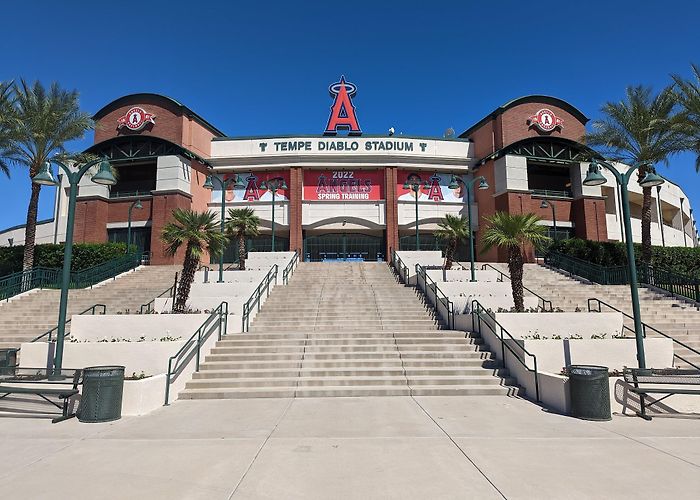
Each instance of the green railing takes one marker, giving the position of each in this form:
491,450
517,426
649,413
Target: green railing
254,299
544,304
478,312
147,308
439,297
552,193
92,310
217,320
106,270
22,281
399,266
599,307
289,270
670,281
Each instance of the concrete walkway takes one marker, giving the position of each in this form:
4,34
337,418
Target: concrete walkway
351,448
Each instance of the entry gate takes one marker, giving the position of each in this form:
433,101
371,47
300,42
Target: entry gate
343,247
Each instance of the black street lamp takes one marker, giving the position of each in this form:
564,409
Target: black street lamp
651,179
138,206
414,184
273,185
454,184
546,204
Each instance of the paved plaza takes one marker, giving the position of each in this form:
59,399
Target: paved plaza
351,448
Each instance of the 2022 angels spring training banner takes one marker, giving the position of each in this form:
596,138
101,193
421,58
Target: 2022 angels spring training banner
434,186
251,191
343,185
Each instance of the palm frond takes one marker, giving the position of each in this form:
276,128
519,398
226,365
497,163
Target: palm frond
242,222
514,231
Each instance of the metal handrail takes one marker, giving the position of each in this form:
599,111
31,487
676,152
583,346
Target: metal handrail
429,283
476,310
256,295
612,275
670,281
183,356
149,305
645,326
289,270
22,281
399,266
544,301
92,310
110,269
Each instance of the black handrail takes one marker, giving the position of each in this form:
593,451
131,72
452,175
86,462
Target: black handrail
644,329
257,294
544,301
183,356
399,266
289,270
92,310
150,305
442,298
476,311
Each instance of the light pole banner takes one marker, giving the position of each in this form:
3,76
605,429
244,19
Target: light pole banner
434,186
251,191
343,185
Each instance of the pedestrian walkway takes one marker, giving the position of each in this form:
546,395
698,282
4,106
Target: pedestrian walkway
440,447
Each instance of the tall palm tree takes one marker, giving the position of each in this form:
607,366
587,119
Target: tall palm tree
198,231
640,128
242,224
47,119
453,230
514,232
688,95
7,124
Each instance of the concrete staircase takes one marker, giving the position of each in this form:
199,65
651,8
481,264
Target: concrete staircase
346,329
26,317
674,317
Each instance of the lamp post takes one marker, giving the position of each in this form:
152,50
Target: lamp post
546,204
273,185
222,183
45,177
651,179
137,205
454,184
414,184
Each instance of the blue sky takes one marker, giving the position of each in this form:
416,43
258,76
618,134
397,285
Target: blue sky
256,68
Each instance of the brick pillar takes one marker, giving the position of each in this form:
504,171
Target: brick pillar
296,241
392,211
90,222
589,219
163,205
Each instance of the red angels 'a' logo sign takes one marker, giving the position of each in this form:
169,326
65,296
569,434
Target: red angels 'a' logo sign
343,112
136,118
545,120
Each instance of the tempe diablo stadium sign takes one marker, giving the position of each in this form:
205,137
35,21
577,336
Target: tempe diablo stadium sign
343,185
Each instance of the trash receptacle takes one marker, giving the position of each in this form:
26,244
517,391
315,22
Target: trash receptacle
590,392
101,399
8,361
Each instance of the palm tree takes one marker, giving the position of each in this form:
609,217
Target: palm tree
47,119
688,95
453,230
640,128
242,224
197,231
7,124
514,232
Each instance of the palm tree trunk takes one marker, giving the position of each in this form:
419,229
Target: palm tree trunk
30,228
646,225
515,266
449,254
241,252
189,268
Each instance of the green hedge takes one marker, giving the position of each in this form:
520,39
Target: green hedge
679,259
85,255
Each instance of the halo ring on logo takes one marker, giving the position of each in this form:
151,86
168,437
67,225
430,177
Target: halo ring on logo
349,87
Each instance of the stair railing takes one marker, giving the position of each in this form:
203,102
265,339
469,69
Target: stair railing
289,270
93,309
595,305
544,304
263,287
110,269
399,266
217,320
478,312
22,281
148,307
439,297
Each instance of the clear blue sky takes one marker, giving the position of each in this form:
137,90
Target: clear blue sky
254,68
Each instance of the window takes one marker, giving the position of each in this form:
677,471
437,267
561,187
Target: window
134,180
549,180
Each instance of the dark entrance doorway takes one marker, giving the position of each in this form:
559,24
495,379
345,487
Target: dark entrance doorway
343,247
